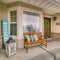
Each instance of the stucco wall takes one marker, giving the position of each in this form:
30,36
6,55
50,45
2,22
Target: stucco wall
0,18
20,9
56,28
3,13
0,11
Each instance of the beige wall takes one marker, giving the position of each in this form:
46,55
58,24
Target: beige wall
0,11
20,9
3,13
56,28
0,18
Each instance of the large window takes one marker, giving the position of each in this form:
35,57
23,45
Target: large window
13,22
30,21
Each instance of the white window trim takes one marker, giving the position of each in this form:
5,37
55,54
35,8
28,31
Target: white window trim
9,20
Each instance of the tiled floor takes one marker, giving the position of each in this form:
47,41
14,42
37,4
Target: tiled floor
33,51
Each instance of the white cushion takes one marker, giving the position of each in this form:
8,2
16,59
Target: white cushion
27,36
36,37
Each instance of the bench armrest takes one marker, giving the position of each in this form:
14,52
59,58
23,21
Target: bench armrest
43,37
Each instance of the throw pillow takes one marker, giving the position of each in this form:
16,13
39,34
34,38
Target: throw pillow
31,38
36,37
27,36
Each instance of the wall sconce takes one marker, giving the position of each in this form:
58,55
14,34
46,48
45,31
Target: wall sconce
54,18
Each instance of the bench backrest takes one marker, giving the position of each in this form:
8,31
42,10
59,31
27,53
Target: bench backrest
27,33
39,34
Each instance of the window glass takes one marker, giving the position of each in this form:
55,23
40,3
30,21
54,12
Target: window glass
13,29
13,15
13,22
30,22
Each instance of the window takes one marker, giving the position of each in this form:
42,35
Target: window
30,21
13,22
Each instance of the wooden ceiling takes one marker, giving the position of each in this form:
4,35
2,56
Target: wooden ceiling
48,6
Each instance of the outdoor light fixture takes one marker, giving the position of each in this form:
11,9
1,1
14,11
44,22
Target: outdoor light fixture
54,18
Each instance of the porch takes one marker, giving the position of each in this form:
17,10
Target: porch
37,52
41,17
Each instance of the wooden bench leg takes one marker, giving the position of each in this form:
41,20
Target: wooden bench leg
46,44
26,47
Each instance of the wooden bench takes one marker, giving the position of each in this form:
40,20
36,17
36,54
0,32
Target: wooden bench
40,40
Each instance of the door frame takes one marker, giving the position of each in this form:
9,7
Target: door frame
48,17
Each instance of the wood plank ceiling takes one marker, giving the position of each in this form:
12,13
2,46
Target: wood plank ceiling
48,6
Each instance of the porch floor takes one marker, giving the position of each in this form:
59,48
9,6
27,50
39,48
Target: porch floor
33,52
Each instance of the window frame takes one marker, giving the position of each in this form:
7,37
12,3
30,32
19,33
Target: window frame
31,14
13,22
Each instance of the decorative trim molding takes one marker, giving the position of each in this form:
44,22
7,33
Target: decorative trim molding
2,3
24,5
